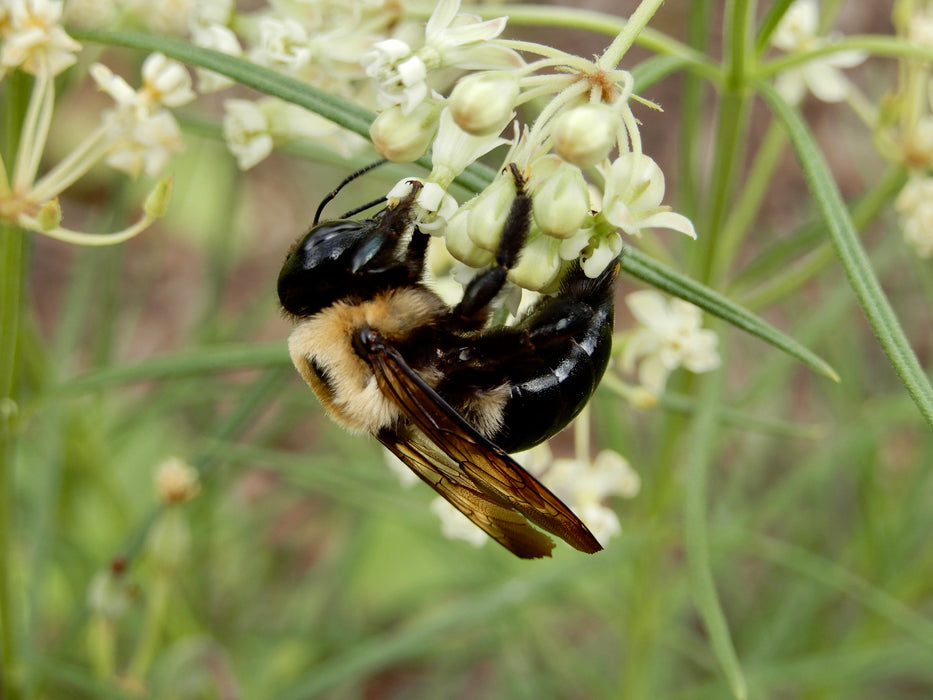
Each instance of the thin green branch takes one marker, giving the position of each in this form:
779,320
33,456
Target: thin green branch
696,537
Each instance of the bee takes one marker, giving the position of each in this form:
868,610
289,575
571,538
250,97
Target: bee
448,394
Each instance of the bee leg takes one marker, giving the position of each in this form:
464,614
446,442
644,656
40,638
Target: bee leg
483,288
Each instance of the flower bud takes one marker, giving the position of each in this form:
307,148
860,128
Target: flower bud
483,104
50,215
176,481
458,240
539,264
561,203
157,201
401,137
584,135
489,212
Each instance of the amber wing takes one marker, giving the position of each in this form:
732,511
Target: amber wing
481,480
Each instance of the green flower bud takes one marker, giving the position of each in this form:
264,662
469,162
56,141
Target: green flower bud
158,199
489,212
482,104
403,138
50,215
458,240
561,203
585,135
539,264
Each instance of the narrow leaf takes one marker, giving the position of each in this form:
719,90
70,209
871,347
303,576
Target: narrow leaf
849,250
654,273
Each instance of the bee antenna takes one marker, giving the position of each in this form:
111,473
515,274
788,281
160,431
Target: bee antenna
364,207
346,181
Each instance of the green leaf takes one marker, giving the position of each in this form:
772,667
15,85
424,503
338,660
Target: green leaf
654,273
849,249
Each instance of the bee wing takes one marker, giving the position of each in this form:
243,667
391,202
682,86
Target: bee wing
484,466
504,525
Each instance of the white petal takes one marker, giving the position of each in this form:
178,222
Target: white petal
647,306
671,220
825,82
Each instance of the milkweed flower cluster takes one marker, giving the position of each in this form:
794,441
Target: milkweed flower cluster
904,129
668,336
139,134
581,157
798,32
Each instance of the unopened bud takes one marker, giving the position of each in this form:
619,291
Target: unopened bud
561,203
401,137
176,481
458,239
157,201
586,134
50,215
539,264
489,213
483,104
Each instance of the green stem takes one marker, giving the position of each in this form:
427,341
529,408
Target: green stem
12,279
13,262
746,208
698,19
624,39
148,642
696,537
729,140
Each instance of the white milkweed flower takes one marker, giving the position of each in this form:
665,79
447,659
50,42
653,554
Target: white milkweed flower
218,38
400,72
165,82
632,197
283,43
141,134
34,40
797,32
586,484
91,13
465,40
162,16
253,129
208,13
246,130
669,336
147,144
914,206
595,247
454,149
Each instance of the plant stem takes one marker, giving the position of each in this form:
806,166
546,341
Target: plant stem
624,39
13,261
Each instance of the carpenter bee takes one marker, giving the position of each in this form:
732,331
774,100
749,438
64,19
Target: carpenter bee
449,395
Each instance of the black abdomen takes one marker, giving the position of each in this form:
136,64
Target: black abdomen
551,388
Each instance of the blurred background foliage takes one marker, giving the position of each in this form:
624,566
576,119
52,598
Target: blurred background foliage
308,571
